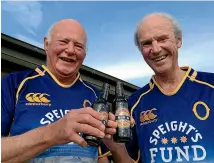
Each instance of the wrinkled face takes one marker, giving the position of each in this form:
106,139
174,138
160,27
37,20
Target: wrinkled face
66,49
158,44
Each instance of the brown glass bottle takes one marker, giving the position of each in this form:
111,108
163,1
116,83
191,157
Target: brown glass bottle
122,115
100,105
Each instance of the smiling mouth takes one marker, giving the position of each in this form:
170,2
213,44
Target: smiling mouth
67,59
157,59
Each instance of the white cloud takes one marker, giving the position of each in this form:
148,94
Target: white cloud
28,14
128,70
29,40
199,56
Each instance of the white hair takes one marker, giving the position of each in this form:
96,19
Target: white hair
48,35
176,27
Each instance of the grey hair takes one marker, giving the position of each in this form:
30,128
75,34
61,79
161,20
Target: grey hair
176,27
48,35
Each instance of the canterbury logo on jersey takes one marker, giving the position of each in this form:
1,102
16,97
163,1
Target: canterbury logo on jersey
148,116
37,98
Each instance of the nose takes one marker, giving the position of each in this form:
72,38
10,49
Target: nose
155,47
70,48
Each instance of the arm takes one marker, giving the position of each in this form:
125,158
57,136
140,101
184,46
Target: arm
103,160
26,146
18,148
104,154
121,155
125,153
23,147
119,152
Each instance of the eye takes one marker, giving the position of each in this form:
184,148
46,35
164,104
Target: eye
146,43
162,39
63,42
79,46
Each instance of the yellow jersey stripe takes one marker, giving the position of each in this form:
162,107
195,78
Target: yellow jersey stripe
105,154
99,151
201,82
57,81
40,72
88,87
138,158
133,107
178,87
193,76
22,83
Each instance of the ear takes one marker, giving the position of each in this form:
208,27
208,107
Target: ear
85,55
84,58
46,44
179,42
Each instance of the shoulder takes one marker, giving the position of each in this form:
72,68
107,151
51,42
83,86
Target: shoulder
16,78
90,87
140,93
205,77
202,78
135,98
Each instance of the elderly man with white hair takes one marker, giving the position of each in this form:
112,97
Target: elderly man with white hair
45,111
174,112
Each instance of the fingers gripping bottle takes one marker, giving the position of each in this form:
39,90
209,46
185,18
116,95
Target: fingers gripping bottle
100,105
122,115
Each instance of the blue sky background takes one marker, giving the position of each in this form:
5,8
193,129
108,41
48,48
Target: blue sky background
110,27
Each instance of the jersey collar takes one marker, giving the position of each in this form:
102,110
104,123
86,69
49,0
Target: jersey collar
38,69
189,73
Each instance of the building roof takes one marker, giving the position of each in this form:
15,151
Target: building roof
21,55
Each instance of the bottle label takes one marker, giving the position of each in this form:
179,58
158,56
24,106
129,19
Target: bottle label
122,115
103,109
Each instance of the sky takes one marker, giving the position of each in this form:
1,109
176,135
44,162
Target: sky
110,27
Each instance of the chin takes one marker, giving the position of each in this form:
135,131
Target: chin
65,72
162,69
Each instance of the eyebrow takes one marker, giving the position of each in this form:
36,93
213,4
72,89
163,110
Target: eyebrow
157,37
144,41
71,39
163,36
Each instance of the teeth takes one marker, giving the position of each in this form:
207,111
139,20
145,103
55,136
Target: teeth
66,59
160,58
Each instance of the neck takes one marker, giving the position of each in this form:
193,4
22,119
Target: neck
170,80
66,80
63,79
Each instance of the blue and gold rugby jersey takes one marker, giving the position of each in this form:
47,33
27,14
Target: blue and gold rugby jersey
176,127
35,98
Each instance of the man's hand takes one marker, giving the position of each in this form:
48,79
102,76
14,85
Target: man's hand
110,131
84,120
26,146
118,151
111,127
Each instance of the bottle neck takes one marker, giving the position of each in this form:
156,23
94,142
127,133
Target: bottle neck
119,91
104,94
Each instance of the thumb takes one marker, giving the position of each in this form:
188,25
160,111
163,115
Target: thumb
79,140
132,122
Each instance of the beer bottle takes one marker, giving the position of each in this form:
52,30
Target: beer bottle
122,115
100,105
